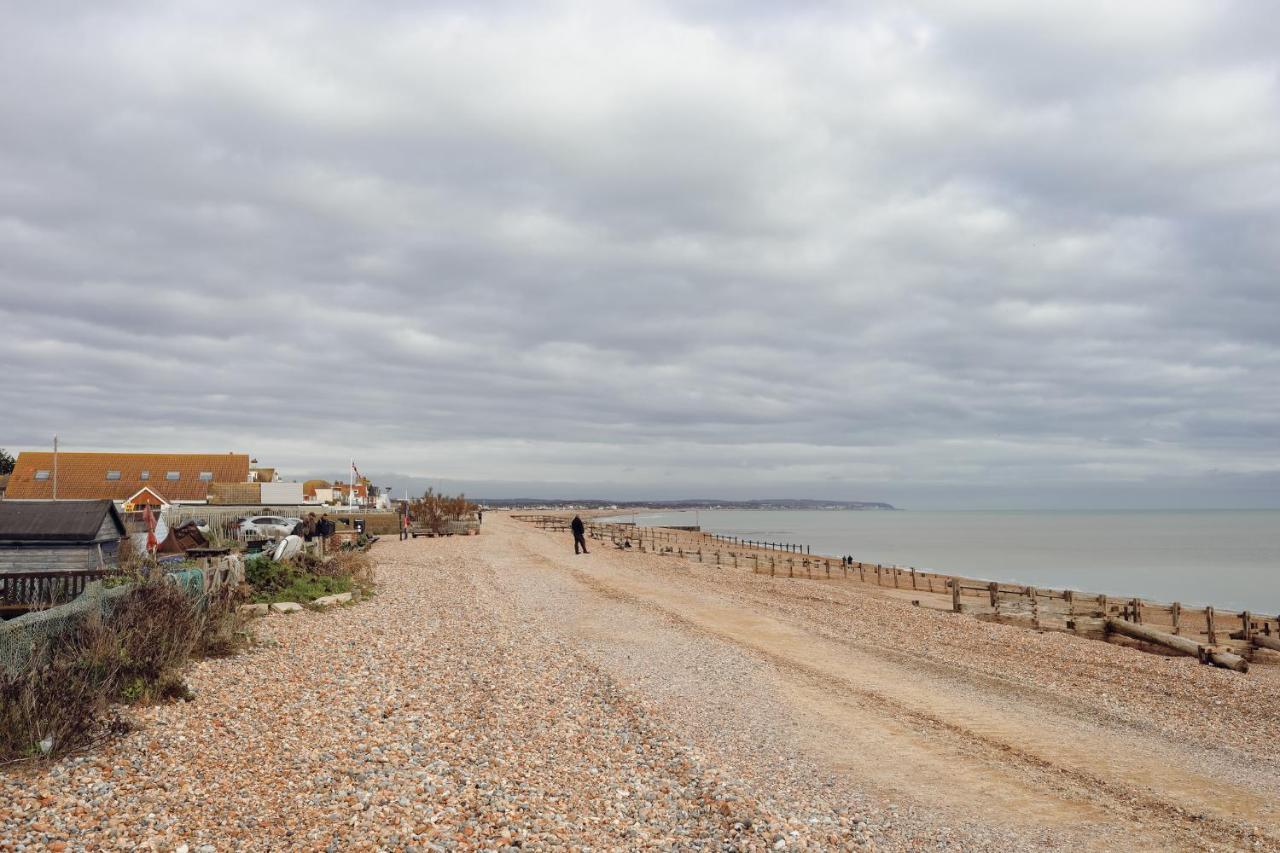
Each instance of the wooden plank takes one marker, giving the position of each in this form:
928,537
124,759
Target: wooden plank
1205,653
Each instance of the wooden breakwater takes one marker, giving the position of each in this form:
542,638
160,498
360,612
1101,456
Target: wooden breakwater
1213,633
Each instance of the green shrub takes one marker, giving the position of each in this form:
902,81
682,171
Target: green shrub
272,581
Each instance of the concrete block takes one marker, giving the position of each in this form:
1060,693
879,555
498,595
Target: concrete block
255,609
286,607
331,600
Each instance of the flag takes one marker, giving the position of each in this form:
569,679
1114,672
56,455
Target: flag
150,521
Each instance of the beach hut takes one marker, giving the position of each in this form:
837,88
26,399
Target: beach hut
51,536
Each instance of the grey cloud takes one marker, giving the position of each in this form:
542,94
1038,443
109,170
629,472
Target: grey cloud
1026,250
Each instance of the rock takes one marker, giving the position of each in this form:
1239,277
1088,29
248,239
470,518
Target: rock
286,607
255,609
331,600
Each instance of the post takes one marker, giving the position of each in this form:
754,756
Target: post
913,577
1210,630
1175,614
773,569
1246,624
993,589
862,573
1035,606
1102,605
879,581
791,567
955,595
1137,611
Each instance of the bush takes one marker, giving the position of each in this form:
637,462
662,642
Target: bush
301,581
135,654
434,512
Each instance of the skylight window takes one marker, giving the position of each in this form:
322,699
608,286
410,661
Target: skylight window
113,475
145,475
206,475
172,475
42,474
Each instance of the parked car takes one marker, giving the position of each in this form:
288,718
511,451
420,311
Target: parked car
268,526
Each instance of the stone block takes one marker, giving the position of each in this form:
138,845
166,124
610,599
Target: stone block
255,609
286,607
331,600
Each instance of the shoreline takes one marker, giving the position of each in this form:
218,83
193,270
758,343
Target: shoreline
1079,612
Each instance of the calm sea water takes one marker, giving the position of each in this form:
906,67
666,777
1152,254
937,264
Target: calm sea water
1226,558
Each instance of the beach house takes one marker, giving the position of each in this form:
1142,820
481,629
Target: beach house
165,477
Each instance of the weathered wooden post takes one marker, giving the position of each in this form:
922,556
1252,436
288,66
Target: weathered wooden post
896,571
879,581
955,595
1035,606
791,567
1070,597
1246,627
1210,630
862,572
773,570
913,577
993,589
1175,616
827,564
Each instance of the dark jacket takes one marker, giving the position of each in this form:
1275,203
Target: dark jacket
577,526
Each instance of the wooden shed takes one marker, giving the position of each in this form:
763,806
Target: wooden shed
50,536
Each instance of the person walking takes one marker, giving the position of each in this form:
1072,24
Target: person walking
579,534
404,525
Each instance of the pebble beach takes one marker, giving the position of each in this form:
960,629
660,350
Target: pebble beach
499,693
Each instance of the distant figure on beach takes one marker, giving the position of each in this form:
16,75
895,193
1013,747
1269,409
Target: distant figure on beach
479,516
404,526
579,534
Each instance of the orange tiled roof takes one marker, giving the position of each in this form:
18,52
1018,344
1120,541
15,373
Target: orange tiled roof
83,476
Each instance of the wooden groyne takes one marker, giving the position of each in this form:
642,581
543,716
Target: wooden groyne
1200,632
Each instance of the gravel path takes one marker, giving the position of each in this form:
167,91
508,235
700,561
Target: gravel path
500,693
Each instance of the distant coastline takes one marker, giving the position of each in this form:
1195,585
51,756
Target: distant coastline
693,503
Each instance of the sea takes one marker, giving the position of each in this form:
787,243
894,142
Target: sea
1227,558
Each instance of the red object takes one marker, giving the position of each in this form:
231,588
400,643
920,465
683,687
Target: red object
150,521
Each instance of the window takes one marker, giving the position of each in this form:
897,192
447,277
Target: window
171,475
113,475
145,475
206,475
42,474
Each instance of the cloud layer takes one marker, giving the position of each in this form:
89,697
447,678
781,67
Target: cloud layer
703,247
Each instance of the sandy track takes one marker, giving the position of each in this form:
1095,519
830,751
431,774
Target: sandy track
967,747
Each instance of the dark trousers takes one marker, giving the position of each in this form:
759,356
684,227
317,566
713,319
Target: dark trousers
579,539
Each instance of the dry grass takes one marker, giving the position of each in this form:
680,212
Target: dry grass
60,701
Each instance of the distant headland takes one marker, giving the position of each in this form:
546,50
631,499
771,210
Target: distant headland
693,503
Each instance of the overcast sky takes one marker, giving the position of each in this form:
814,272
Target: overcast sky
1000,253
